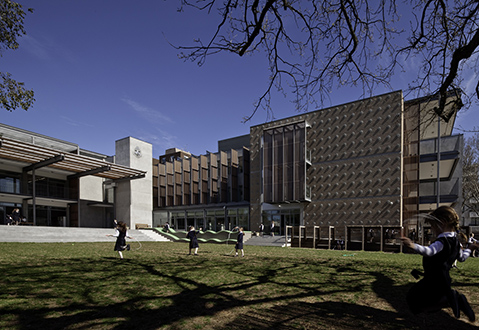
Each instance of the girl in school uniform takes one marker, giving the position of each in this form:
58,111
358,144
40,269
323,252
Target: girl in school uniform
434,291
16,216
193,239
121,233
239,242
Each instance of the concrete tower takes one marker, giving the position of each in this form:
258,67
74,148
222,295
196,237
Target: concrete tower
134,198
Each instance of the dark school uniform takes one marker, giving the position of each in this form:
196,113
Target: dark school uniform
16,217
239,241
436,283
193,240
120,244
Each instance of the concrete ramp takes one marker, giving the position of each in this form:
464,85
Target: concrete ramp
40,234
267,240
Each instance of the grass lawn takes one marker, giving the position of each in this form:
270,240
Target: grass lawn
158,286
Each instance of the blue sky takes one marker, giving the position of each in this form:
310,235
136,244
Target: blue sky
103,70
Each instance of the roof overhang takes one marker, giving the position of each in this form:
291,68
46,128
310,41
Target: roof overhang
35,156
428,117
100,204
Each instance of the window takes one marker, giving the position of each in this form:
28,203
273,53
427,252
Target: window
9,182
284,163
47,187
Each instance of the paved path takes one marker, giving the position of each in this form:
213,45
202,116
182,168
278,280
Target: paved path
266,240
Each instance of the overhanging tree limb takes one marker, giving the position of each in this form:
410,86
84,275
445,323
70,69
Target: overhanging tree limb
12,93
458,55
258,26
318,45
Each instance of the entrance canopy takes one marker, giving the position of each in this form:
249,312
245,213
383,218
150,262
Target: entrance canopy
35,156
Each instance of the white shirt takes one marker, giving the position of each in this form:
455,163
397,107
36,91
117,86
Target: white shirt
437,246
117,233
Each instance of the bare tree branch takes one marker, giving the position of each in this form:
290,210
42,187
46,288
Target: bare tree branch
458,55
315,46
259,23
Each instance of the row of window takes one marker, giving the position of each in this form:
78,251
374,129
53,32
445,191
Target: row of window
11,183
284,163
212,219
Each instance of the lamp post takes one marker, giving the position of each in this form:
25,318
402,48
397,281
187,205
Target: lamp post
438,195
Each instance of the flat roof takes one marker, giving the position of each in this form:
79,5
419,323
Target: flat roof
79,165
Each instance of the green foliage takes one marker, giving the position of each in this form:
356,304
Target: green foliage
158,286
12,93
11,24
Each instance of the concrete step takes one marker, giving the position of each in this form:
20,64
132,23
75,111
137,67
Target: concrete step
40,234
154,235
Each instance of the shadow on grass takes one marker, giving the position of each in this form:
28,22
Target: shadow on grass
335,315
197,305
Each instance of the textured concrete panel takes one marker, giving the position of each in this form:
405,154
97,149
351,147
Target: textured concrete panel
355,174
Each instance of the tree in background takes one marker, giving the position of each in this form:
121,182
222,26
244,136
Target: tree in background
12,93
314,46
470,174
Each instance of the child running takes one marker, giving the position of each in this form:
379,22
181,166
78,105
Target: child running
121,233
434,292
239,242
193,239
